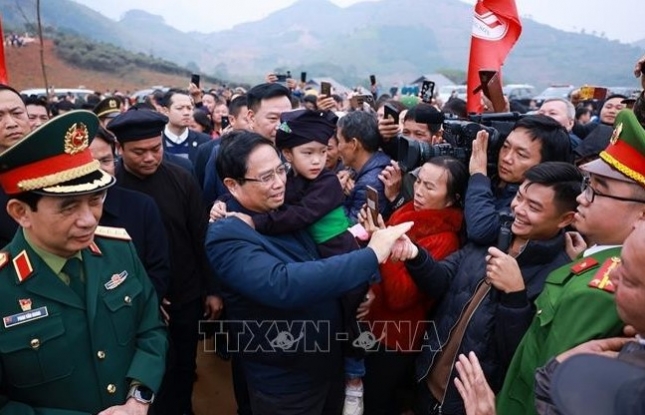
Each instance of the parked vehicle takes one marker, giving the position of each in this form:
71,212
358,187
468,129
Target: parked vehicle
554,91
79,93
523,93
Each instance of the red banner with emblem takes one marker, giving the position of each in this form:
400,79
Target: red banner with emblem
4,77
496,28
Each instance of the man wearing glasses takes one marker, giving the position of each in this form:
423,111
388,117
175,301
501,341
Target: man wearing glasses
283,309
577,303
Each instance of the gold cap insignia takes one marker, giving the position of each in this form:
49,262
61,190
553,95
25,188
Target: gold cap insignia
112,103
616,134
76,138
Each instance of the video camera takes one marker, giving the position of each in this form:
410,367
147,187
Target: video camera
458,136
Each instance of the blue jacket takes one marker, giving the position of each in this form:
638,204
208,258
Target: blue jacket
483,203
368,176
273,284
213,186
189,146
498,323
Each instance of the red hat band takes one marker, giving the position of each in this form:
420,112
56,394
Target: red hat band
48,172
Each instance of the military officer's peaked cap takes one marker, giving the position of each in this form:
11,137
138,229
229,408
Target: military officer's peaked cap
624,157
55,159
108,107
138,124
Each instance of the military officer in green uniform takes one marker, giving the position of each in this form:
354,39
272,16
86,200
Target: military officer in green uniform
577,302
80,332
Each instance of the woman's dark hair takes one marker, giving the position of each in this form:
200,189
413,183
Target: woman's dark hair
202,119
457,179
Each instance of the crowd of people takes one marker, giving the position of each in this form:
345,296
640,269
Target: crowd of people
337,274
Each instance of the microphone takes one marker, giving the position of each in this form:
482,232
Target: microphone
505,236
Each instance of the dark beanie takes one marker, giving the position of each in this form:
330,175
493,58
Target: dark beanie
137,124
304,126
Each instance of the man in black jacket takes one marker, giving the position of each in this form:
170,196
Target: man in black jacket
486,294
191,293
14,124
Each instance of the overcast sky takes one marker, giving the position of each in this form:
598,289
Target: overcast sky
619,19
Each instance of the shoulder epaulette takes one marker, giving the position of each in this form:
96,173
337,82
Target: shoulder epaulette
602,279
4,259
583,265
112,233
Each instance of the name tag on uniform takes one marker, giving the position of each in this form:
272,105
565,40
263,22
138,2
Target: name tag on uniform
25,317
116,280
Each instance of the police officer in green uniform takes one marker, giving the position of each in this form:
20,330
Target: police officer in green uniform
577,303
80,332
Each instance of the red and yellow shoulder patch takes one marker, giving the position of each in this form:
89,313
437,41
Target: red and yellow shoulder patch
22,265
602,279
4,259
583,265
112,233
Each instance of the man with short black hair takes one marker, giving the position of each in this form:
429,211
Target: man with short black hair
265,103
577,303
14,125
485,294
176,193
534,139
276,286
38,110
178,139
358,145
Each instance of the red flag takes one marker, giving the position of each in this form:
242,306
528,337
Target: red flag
4,77
496,28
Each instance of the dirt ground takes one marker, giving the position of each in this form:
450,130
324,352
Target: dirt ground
213,391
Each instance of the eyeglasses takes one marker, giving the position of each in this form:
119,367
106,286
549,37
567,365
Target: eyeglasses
590,193
269,177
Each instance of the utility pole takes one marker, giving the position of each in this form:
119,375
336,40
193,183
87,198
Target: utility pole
42,48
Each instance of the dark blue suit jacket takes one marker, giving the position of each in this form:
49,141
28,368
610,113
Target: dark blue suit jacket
276,283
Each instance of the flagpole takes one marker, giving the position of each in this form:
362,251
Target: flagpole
4,76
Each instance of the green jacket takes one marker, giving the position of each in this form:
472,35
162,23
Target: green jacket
78,357
569,313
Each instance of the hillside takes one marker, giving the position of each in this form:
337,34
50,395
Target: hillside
396,39
25,72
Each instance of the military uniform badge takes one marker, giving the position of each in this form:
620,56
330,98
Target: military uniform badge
602,279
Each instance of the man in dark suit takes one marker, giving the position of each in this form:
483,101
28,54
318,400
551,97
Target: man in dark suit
275,283
13,126
192,293
177,138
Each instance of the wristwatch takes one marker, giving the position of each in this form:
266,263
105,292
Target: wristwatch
141,394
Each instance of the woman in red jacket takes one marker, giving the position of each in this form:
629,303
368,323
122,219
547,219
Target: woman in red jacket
399,311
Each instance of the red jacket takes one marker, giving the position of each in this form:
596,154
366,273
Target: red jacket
398,300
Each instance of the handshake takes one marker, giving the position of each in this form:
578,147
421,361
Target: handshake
388,242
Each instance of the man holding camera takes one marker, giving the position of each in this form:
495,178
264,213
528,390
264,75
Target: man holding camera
534,139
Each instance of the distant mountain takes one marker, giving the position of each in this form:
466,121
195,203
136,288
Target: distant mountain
397,40
640,44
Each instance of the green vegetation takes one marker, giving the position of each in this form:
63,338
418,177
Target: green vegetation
104,57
